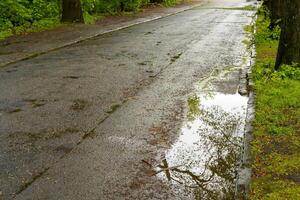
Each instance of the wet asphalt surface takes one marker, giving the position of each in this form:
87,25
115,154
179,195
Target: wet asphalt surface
90,121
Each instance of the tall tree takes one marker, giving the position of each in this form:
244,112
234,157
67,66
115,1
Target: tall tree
72,11
276,11
289,44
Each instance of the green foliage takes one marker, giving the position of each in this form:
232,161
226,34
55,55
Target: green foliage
18,16
246,8
276,144
277,103
194,107
287,72
169,2
266,34
250,8
267,72
281,190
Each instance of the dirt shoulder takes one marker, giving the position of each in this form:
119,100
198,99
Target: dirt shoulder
21,47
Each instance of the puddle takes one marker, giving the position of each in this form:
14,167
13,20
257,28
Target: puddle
203,161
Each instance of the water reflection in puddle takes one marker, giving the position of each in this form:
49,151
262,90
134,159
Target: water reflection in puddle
204,157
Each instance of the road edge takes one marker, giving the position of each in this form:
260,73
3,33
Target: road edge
244,171
82,39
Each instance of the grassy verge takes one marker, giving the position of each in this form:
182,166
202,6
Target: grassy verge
38,26
23,16
276,145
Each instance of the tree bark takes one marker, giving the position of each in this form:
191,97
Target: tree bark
72,11
289,44
276,11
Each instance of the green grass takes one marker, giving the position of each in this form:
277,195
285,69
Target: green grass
276,144
250,7
247,8
92,19
23,16
37,26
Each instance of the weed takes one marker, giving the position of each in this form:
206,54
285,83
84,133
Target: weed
113,108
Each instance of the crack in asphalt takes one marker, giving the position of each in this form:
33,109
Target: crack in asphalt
27,184
137,87
89,134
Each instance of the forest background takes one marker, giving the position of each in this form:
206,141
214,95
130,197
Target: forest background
19,16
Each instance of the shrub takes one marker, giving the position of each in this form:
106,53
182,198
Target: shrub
27,15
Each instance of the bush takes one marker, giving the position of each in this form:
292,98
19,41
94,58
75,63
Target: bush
18,16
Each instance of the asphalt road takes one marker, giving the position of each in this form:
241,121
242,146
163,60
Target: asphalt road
79,122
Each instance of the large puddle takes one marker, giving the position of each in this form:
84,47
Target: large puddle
202,163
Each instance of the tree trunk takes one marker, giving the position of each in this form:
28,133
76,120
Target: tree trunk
289,44
72,11
276,11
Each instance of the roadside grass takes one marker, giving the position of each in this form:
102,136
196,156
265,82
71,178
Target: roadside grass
22,17
276,144
247,8
44,24
250,7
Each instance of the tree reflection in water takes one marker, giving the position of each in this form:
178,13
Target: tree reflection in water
205,157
